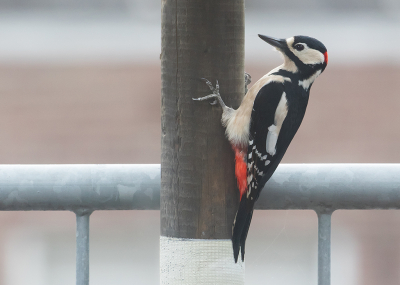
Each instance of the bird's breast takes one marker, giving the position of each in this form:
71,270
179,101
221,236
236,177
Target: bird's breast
238,124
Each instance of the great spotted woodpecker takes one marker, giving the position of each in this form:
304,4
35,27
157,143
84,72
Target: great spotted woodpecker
261,129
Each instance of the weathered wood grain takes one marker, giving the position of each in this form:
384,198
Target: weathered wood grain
198,190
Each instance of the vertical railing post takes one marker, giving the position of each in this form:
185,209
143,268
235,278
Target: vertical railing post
324,247
82,247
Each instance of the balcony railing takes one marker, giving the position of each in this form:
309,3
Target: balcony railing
83,189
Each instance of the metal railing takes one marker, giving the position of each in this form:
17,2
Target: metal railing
83,189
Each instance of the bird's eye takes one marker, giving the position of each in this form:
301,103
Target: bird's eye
299,47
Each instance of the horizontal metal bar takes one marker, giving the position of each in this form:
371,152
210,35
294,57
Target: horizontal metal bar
329,187
130,187
80,187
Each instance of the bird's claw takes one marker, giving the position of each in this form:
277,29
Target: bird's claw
208,97
209,84
247,78
247,81
215,91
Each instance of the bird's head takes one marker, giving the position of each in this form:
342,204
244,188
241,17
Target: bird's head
302,54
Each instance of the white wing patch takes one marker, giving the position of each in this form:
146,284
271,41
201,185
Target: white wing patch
272,138
273,130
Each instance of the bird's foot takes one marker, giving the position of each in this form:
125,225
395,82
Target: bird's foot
216,96
211,96
247,81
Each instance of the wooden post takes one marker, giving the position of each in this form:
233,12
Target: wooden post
199,198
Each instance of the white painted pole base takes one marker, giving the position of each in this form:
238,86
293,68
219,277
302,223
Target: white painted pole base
199,261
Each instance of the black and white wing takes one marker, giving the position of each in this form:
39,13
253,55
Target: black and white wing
269,111
263,154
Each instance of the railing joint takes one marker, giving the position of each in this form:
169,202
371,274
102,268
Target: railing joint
83,212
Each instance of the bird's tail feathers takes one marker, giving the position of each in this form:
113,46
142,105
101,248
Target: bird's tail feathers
241,227
244,232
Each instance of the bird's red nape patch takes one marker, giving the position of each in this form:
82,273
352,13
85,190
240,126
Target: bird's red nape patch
326,57
240,171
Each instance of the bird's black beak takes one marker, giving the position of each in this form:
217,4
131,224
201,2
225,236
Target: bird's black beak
278,43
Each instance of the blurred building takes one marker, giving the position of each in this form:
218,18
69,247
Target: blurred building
80,83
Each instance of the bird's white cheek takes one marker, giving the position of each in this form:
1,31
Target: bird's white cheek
310,56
